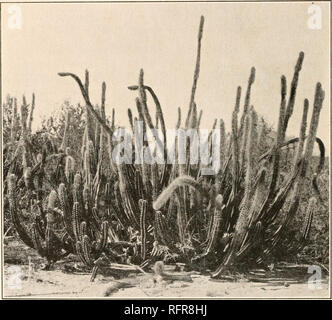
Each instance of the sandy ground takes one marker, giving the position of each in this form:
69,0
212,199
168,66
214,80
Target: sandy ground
285,281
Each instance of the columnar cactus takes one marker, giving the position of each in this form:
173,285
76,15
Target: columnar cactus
241,213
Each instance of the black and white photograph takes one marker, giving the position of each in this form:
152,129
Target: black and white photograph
165,150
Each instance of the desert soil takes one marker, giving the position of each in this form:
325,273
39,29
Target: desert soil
284,281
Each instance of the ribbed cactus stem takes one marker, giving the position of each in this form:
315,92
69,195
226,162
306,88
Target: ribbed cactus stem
79,252
50,245
291,99
69,167
31,113
309,217
113,119
246,205
86,166
83,229
52,199
145,170
14,212
154,180
199,118
95,214
86,82
244,141
259,195
247,151
159,230
101,244
109,149
98,130
101,147
318,103
130,117
282,114
295,197
89,108
178,123
193,117
253,136
86,245
27,178
215,122
261,132
235,147
215,224
143,208
303,129
86,196
13,124
251,80
103,98
11,188
91,153
37,241
24,116
197,69
25,162
279,140
64,143
250,83
76,220
143,101
181,221
222,142
77,180
66,209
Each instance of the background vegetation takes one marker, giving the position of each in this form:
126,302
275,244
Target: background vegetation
64,194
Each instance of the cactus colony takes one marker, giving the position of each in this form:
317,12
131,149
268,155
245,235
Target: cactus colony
135,213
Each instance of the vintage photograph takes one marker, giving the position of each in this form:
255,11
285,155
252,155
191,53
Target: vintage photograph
165,150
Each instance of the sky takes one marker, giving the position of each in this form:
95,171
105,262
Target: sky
115,40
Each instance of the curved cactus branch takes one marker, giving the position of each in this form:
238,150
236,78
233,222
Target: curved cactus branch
197,68
168,192
87,101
